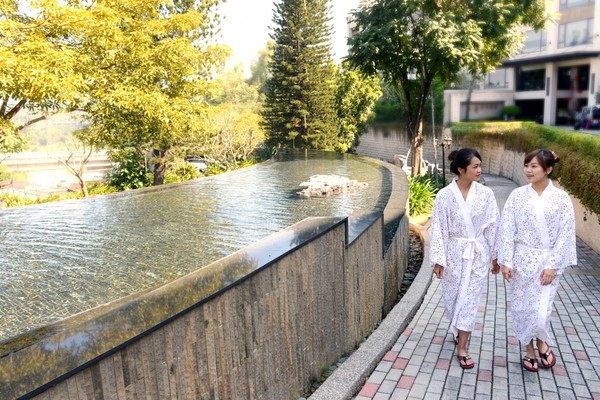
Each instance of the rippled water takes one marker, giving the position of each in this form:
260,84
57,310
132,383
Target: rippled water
63,258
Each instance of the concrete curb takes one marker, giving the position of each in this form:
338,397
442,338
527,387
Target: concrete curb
347,380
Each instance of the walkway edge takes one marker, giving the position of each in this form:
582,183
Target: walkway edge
350,377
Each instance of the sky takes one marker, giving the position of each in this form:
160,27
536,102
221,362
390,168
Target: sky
245,27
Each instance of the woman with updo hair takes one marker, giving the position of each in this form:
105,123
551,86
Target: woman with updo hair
463,233
536,245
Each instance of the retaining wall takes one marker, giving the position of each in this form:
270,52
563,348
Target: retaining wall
258,324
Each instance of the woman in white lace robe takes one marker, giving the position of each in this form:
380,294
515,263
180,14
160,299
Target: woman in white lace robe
463,233
536,245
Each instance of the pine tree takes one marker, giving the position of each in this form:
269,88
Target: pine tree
300,108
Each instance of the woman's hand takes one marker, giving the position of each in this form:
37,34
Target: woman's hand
438,270
495,267
507,273
547,276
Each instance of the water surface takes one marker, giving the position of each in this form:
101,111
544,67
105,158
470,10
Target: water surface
59,259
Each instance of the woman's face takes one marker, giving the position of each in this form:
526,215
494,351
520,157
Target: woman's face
534,172
473,170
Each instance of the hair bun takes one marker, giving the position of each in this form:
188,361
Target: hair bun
452,155
556,157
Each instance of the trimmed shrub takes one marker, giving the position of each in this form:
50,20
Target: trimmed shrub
579,169
511,110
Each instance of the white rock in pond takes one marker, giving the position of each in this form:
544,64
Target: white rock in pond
325,185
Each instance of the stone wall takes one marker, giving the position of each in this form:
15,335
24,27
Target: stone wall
325,286
265,338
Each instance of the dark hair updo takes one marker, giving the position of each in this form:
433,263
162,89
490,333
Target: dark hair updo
545,158
462,158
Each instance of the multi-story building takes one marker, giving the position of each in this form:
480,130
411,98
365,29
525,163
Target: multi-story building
556,73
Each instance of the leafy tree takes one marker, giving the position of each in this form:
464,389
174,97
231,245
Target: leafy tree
236,135
10,141
355,102
235,131
389,107
155,72
140,69
259,69
411,42
230,87
39,66
299,109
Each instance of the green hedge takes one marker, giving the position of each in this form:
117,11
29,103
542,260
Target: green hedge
579,168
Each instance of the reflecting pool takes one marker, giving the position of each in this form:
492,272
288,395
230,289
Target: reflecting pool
59,259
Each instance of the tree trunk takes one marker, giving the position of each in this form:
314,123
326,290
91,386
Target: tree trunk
469,94
417,149
160,167
82,185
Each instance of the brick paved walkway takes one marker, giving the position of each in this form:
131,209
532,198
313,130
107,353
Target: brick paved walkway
422,363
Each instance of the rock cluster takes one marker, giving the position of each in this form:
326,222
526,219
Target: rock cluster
325,185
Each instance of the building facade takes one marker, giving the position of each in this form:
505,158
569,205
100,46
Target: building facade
556,73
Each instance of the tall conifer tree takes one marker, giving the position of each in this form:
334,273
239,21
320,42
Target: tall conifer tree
300,108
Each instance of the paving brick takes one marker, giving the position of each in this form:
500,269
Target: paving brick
369,390
450,395
400,363
376,377
390,356
405,382
381,396
484,375
566,394
418,391
581,391
399,394
387,386
466,391
484,388
384,366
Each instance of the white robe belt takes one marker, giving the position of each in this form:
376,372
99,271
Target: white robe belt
546,250
473,246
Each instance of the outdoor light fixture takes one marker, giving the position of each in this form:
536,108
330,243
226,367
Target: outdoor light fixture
445,144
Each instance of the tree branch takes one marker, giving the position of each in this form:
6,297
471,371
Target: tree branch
4,105
15,109
31,122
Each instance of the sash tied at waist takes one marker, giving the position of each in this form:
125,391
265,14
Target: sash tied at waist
528,247
545,252
473,246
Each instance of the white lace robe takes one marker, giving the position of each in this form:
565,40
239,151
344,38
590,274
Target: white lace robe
538,232
463,236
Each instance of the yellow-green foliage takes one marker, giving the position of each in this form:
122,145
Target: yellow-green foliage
17,200
579,168
4,173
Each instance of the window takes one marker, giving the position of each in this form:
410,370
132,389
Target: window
575,33
534,41
574,78
574,3
496,79
528,80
